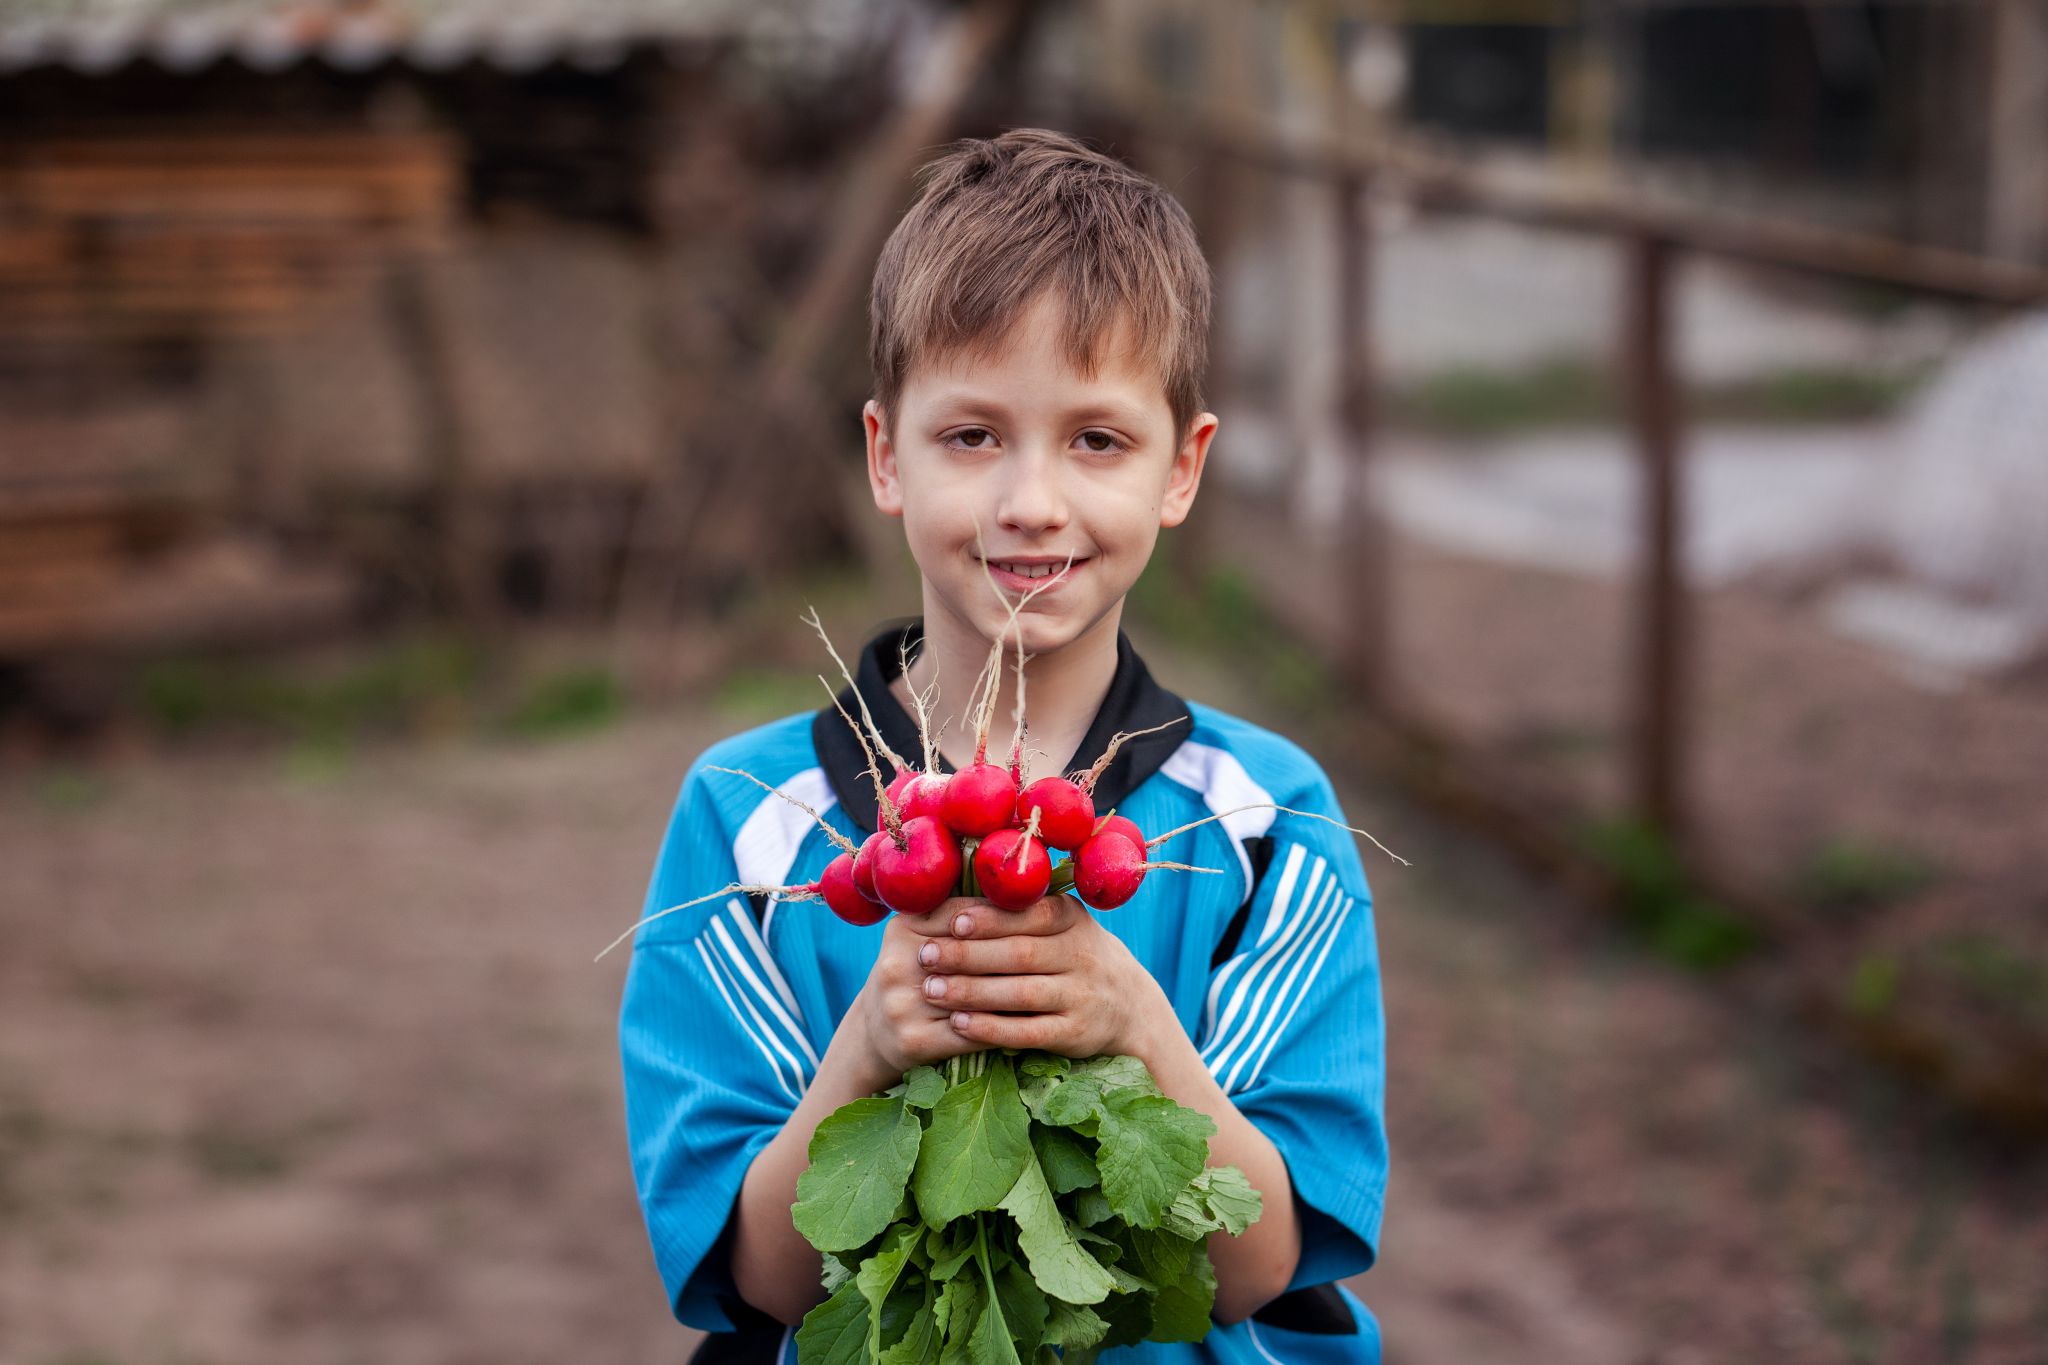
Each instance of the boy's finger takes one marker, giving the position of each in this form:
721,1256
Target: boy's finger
1020,994
1013,955
1009,1030
1046,915
940,923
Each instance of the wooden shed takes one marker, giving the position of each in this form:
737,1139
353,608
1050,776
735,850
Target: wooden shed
287,287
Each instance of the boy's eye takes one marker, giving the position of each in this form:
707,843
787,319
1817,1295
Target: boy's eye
1108,443
974,438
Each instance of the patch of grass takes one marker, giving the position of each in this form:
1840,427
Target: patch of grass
69,790
1874,983
393,688
569,702
1660,900
1477,401
1800,396
1848,876
1223,617
767,693
1993,971
236,1156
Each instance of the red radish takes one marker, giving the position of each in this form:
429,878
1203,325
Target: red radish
838,886
915,793
864,863
1113,823
1012,869
980,799
920,875
1066,814
1108,870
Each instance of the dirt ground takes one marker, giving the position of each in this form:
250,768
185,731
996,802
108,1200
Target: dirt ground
312,1065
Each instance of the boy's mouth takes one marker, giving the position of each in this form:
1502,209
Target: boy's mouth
1034,571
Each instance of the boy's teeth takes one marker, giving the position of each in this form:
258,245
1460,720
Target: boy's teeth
1026,570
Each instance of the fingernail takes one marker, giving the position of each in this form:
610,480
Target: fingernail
963,925
960,1020
935,986
928,955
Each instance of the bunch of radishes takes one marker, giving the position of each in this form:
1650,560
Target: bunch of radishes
981,831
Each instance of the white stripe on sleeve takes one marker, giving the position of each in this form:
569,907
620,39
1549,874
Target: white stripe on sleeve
1329,941
761,994
1287,949
719,981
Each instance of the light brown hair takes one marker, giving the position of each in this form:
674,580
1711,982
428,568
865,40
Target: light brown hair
999,219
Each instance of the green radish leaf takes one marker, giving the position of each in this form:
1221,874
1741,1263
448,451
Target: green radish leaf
878,1275
907,1302
1068,1166
1037,1064
836,1273
1127,1283
1129,1319
1158,1255
949,1248
1181,1309
861,1156
922,1086
1062,1268
1117,1072
959,1313
991,1342
919,1344
1073,1326
836,1331
1074,1101
978,1143
1219,1198
1024,1307
1092,1207
1150,1149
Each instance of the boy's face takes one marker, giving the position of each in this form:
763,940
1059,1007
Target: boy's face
1048,463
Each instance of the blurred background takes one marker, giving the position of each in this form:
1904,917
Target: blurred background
422,423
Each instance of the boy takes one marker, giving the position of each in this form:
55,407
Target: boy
1039,323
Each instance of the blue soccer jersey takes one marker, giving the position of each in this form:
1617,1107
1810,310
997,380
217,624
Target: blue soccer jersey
1271,967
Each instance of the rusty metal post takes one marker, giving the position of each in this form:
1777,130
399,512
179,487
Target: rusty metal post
1363,554
1657,748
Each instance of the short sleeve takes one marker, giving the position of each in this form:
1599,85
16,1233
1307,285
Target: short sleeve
715,1058
1293,1030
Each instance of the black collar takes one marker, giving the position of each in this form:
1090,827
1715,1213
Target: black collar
1134,702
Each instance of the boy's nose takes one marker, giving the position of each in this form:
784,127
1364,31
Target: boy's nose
1032,497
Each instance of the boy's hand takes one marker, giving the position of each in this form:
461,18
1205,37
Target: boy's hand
899,1025
1048,977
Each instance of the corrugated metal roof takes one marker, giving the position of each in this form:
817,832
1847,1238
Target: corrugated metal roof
189,35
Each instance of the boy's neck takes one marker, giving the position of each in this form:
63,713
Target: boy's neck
1064,689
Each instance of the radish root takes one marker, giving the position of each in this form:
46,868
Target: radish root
787,893
891,818
1030,832
1086,781
860,701
1156,840
839,841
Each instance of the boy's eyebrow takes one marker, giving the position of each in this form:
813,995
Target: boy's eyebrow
1086,412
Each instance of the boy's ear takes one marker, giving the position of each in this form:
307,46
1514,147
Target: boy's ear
1186,475
883,477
